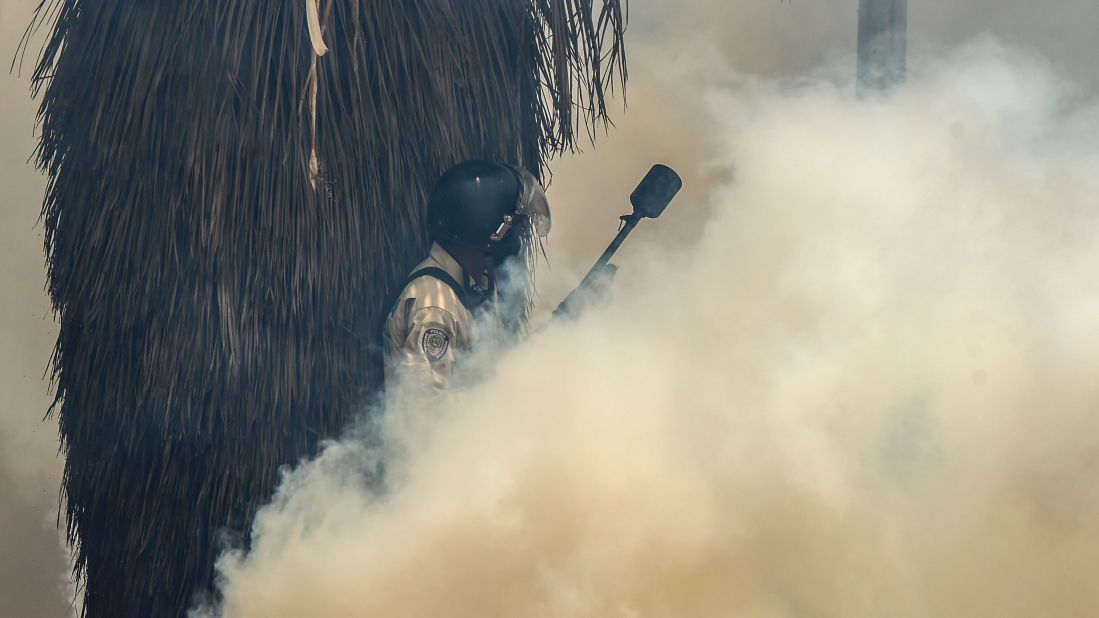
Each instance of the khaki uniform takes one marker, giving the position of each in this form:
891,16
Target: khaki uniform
429,323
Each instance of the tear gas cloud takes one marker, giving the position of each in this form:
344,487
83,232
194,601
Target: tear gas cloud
852,378
860,385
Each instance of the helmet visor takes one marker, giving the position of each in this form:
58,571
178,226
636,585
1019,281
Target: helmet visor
534,205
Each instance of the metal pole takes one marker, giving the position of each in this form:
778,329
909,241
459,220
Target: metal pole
883,45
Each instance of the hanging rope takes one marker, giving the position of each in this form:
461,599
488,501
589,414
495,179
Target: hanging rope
316,37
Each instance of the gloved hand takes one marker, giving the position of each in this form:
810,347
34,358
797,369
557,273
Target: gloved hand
599,286
594,291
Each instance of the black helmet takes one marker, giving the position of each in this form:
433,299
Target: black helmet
487,205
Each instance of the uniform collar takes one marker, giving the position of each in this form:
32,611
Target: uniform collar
447,262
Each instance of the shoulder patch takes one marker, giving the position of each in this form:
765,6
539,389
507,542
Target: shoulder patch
435,343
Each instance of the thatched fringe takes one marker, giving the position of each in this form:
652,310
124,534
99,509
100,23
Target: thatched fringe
220,315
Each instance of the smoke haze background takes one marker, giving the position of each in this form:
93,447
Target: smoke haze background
865,389
33,562
856,359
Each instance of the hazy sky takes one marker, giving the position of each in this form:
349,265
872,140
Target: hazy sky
32,563
764,37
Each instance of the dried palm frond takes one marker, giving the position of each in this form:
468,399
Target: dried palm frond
220,290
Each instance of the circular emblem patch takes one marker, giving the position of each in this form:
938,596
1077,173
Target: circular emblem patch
435,343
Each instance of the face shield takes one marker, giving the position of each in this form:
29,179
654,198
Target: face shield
515,244
531,207
534,205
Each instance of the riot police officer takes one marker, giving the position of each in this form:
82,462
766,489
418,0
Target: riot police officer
485,220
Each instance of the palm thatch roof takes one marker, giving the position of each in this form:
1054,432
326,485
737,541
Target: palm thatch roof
219,287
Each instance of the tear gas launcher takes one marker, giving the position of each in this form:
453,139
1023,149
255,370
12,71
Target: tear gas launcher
652,195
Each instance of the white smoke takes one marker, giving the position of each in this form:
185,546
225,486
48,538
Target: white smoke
979,508
861,385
